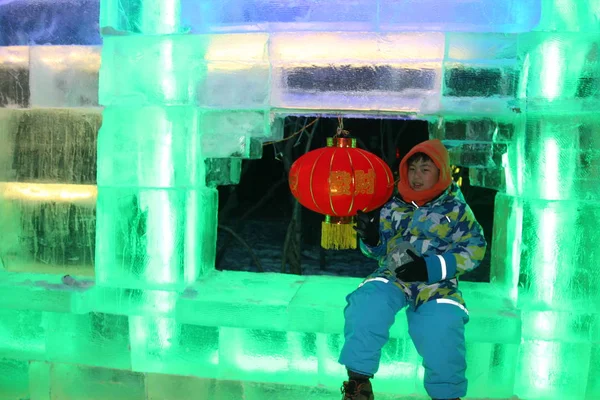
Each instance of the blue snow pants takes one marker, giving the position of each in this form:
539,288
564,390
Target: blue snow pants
436,328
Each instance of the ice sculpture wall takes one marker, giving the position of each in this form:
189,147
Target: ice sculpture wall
191,87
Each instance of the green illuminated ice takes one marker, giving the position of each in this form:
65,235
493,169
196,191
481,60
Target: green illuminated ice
515,95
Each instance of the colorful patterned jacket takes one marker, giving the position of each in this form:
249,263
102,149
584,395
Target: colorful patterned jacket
444,231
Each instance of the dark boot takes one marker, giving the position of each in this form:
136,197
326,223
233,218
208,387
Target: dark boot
357,390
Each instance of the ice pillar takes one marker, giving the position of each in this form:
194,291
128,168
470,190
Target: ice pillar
156,218
547,221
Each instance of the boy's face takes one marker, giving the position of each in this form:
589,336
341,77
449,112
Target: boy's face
422,175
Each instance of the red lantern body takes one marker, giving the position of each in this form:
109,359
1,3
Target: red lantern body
340,179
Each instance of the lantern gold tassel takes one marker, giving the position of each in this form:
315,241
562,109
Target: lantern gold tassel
337,233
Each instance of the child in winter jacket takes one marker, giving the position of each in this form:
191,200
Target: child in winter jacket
424,238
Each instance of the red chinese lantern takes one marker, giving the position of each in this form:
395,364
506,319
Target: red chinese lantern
337,181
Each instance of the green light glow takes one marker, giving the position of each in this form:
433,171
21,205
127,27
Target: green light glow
156,321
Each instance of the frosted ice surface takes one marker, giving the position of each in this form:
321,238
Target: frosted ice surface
64,76
349,71
363,15
49,22
68,22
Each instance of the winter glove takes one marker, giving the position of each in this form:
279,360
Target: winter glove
398,256
413,271
367,227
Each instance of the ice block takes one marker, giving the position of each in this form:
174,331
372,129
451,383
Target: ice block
223,171
64,76
552,370
154,237
385,15
14,379
46,22
14,76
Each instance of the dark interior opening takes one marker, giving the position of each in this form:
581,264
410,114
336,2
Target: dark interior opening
259,210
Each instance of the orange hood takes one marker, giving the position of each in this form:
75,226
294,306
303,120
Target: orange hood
439,155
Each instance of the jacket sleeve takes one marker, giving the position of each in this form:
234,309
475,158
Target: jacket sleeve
386,231
465,253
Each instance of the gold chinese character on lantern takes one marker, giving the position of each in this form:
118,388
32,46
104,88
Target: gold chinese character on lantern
365,182
340,183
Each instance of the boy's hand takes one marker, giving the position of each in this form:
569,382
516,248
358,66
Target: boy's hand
413,271
367,227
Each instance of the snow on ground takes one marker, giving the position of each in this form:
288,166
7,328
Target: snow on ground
266,239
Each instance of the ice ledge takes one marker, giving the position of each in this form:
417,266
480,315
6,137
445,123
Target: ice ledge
245,300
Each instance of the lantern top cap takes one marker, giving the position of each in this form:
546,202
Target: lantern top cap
341,142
